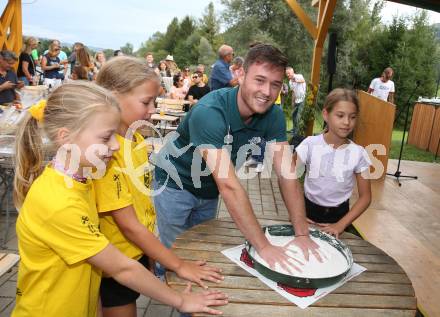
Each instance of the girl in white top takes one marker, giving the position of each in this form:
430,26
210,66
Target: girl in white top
333,164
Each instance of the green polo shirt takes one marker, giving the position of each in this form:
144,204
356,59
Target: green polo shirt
210,124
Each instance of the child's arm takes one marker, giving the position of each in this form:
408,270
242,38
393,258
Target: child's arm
133,275
137,233
364,200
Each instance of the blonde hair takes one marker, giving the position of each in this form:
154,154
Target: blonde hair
124,73
70,106
27,44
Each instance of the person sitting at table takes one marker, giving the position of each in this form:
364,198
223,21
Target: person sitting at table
334,163
186,75
201,68
163,72
26,65
198,90
178,91
8,78
51,63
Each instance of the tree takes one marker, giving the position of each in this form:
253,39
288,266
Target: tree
127,49
210,26
187,51
207,56
170,38
187,28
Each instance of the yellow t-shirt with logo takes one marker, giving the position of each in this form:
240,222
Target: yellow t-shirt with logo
126,182
58,229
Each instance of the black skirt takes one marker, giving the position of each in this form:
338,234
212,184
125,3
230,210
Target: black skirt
323,214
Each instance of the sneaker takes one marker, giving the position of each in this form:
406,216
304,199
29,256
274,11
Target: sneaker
251,162
259,168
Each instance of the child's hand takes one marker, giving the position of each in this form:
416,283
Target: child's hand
200,302
335,229
198,271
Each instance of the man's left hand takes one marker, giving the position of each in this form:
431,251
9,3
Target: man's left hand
306,245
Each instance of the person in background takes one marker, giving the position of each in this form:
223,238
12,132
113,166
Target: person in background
178,91
331,177
26,64
237,67
298,86
51,63
201,68
84,60
163,72
383,87
150,60
198,89
99,61
72,57
118,53
79,73
35,56
172,66
221,76
8,79
61,55
186,75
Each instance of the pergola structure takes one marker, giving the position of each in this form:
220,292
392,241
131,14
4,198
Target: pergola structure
11,26
318,30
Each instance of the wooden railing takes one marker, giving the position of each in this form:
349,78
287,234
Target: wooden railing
11,27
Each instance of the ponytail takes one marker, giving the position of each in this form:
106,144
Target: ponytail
29,158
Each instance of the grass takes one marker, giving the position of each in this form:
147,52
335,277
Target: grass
409,153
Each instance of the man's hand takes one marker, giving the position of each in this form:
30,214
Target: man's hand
198,271
306,245
8,85
335,229
273,254
20,84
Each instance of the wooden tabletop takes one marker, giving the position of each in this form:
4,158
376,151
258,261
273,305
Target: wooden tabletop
383,290
158,117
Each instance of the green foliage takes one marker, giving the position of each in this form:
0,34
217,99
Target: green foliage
210,26
127,49
206,54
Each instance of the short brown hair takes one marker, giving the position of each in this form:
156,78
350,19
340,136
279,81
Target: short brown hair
340,94
265,53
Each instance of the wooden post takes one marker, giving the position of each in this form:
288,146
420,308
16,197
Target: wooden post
318,33
11,27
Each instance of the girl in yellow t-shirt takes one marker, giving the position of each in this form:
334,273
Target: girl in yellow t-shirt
61,247
127,215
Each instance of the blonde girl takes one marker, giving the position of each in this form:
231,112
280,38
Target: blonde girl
26,64
334,164
61,248
126,210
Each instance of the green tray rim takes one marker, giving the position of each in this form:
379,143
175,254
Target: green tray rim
296,281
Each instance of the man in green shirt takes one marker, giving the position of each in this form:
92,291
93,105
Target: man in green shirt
213,138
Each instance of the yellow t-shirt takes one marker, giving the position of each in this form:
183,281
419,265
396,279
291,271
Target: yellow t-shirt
126,182
58,229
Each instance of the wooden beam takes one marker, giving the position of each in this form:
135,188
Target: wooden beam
324,24
303,18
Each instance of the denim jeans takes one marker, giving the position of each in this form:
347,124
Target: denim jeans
177,211
296,117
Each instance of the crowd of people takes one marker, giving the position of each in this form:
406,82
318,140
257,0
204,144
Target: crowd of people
89,210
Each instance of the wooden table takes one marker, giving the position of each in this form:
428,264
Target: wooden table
383,290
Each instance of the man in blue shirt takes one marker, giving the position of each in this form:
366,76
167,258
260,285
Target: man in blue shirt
199,164
8,79
221,75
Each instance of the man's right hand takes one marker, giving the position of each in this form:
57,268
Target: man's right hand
8,85
273,254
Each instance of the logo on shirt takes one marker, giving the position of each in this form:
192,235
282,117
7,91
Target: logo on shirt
94,229
117,184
